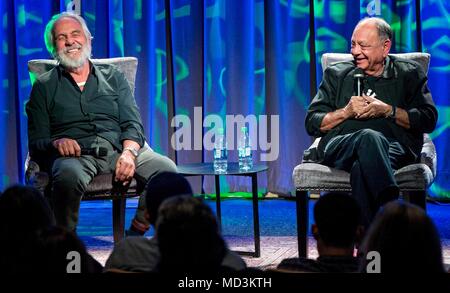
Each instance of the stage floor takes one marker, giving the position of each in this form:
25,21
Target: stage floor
277,226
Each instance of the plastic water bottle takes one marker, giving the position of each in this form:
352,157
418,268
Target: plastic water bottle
220,153
245,150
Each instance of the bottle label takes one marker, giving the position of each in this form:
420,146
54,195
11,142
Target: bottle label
248,151
245,152
217,154
220,154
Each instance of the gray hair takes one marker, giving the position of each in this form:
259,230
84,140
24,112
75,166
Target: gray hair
384,29
49,30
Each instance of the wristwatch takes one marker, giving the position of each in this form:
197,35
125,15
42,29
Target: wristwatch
393,112
132,150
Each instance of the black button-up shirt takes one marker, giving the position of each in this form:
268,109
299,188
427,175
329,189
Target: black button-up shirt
403,83
59,109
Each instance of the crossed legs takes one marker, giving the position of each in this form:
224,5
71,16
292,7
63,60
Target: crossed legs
371,160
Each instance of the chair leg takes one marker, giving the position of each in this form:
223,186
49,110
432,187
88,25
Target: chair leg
118,218
418,198
302,222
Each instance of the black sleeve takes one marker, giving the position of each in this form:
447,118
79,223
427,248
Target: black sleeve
130,119
421,110
39,138
322,103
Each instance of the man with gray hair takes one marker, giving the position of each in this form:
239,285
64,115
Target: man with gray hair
372,134
79,105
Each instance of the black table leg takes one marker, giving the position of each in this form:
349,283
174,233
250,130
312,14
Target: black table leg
256,214
218,212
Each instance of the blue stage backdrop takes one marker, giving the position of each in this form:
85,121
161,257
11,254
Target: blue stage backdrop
229,57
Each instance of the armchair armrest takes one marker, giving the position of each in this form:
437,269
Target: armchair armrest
428,154
35,177
311,154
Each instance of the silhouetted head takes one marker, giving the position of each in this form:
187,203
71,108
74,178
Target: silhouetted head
406,239
23,210
61,251
337,218
161,187
188,237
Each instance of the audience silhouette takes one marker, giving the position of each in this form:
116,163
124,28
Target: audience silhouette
24,212
30,241
337,229
188,241
141,254
61,251
188,237
405,238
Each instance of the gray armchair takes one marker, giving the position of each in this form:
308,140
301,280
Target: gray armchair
413,179
102,186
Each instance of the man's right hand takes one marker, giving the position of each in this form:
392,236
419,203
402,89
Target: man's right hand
67,147
355,106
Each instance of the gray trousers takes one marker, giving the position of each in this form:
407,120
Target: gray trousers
71,175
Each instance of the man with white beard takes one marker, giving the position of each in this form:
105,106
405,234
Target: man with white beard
79,105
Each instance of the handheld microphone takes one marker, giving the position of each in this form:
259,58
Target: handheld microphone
96,152
358,75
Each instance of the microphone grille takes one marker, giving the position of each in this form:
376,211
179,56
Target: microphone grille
358,73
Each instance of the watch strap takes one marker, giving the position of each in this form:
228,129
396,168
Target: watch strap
393,113
132,150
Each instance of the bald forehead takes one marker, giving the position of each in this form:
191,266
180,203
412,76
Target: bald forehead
367,26
366,30
369,22
381,28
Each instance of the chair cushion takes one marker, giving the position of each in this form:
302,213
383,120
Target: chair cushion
103,186
414,176
427,157
313,176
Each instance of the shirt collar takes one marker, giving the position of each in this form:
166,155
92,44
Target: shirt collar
92,71
389,70
61,70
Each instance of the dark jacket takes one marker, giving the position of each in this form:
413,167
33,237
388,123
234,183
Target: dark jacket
403,84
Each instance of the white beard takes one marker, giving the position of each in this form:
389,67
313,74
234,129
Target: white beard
73,63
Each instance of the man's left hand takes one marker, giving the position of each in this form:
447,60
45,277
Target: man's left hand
125,168
374,109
